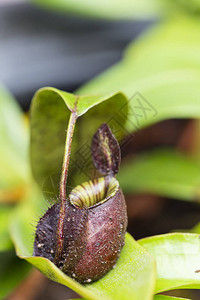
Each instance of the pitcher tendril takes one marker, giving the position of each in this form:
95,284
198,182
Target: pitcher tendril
63,183
67,152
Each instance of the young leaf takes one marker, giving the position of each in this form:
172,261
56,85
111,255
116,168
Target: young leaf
106,151
177,258
134,269
159,73
163,172
50,112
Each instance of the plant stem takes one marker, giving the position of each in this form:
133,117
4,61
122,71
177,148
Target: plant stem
63,182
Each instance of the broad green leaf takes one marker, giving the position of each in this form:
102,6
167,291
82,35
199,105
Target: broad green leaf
12,271
5,242
163,172
50,112
160,73
177,258
163,297
13,148
134,269
113,9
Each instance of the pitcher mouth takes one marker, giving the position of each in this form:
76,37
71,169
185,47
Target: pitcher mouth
94,192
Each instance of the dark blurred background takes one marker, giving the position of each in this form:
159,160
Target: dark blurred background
44,48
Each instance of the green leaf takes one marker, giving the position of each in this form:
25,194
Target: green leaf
177,258
134,269
113,9
13,148
163,172
160,73
50,112
12,271
163,297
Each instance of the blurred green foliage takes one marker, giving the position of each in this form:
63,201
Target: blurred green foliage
164,172
163,66
113,9
5,242
127,9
